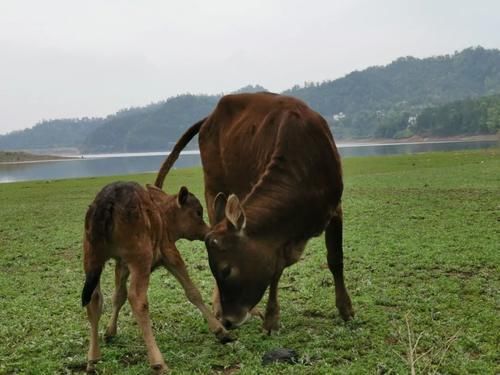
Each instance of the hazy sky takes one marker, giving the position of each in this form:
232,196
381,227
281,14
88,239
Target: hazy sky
91,58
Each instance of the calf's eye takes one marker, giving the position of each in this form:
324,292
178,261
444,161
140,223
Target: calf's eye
211,243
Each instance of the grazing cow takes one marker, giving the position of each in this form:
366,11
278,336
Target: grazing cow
276,162
138,227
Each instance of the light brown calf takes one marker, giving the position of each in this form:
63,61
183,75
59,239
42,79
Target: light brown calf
138,227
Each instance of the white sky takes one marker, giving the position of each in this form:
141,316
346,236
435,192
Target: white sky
66,58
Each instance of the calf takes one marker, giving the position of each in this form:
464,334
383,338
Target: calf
138,227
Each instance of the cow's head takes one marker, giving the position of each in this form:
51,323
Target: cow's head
242,265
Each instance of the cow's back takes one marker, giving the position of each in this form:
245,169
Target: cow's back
277,156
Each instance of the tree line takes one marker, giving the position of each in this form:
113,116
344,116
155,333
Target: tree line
442,95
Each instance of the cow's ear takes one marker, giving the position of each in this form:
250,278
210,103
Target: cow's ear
182,196
220,206
234,212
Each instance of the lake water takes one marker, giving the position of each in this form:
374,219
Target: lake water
122,164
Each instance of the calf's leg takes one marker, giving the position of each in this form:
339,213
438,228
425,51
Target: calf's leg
94,311
119,296
216,305
137,296
333,237
176,267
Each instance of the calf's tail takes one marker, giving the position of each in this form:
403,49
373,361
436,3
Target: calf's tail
91,280
179,146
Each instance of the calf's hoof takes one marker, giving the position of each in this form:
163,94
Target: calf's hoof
256,312
110,334
159,368
108,338
91,366
224,336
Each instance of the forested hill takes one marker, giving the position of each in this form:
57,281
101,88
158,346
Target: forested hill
64,133
368,103
469,116
153,128
383,101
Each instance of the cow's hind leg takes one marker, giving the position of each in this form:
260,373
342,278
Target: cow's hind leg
94,311
176,267
119,296
333,237
137,296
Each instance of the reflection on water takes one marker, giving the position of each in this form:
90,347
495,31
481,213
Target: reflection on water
121,164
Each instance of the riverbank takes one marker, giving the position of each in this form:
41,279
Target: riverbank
418,139
74,153
15,157
119,164
420,259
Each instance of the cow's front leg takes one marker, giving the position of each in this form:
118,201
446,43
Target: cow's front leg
333,238
272,316
176,266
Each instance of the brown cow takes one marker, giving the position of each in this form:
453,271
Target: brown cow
138,227
277,161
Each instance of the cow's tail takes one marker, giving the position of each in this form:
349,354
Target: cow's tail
91,280
174,154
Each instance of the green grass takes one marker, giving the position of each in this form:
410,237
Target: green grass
422,258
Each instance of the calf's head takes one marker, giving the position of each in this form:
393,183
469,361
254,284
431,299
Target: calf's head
182,212
242,265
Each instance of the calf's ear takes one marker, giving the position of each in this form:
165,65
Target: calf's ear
234,212
219,206
182,196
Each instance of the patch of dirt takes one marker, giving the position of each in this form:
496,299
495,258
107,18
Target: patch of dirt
132,358
391,340
226,370
315,314
67,253
75,368
462,273
200,267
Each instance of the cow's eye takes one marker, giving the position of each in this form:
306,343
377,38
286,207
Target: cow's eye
199,213
225,272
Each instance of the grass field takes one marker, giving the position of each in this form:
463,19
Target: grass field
422,263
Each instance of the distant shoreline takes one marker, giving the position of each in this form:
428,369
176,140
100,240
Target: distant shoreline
20,157
416,139
14,157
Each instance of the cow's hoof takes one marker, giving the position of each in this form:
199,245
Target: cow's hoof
346,312
159,368
224,336
271,326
